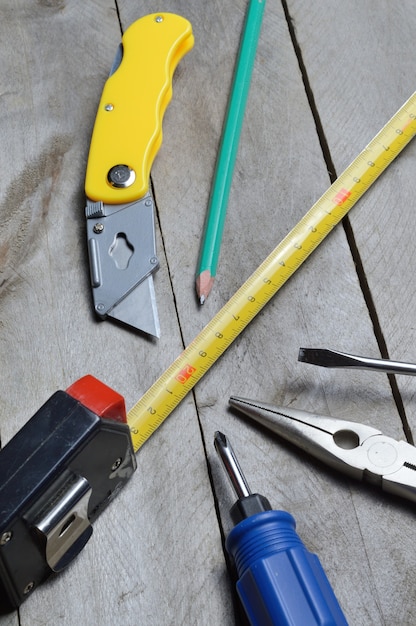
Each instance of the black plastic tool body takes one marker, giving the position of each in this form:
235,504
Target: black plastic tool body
62,468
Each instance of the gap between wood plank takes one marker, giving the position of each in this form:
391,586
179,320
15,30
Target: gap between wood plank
204,443
118,16
238,611
349,233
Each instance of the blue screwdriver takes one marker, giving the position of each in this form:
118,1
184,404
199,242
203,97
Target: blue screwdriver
280,582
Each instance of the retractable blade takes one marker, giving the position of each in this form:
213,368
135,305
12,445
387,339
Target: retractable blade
126,137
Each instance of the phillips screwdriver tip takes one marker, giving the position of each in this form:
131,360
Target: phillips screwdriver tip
220,439
231,465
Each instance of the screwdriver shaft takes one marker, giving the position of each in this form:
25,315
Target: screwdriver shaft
334,359
231,464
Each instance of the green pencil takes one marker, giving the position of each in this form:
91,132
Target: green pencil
224,168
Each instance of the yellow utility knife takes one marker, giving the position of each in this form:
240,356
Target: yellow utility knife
126,137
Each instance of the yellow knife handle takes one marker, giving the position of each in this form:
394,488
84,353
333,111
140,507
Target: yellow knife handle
128,128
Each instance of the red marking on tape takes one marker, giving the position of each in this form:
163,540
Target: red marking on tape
342,195
185,374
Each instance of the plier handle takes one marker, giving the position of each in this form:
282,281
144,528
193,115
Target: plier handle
358,450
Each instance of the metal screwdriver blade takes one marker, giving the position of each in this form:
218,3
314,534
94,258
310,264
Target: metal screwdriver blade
231,464
335,359
138,309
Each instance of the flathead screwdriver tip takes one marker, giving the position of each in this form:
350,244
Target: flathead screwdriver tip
334,359
311,355
328,358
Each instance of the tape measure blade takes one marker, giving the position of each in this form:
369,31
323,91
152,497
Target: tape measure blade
190,366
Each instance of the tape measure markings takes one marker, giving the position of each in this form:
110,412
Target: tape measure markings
191,365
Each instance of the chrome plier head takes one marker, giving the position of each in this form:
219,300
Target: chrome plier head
357,450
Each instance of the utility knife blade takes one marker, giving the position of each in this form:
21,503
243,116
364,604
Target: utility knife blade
126,137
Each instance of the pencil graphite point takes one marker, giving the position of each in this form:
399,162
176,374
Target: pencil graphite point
204,283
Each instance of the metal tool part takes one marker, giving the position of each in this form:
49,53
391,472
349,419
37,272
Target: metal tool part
335,359
358,450
122,253
62,522
231,464
248,503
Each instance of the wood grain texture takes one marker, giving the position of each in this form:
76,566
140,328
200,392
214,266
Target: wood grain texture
156,556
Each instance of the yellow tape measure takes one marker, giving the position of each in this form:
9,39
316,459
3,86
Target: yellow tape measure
174,384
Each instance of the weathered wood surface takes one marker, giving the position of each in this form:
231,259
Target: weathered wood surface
156,556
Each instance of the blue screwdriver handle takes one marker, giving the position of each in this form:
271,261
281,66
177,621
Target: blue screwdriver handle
280,582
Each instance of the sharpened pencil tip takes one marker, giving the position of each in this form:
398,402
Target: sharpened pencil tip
204,283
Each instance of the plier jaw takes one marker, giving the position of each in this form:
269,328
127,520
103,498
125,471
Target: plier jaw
357,450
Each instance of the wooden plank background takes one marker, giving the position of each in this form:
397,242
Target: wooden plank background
327,76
